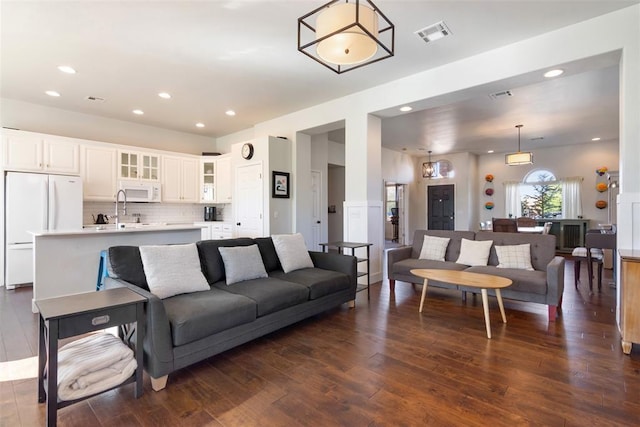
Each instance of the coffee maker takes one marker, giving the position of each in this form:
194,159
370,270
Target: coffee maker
209,213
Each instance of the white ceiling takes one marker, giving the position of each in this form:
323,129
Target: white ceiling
218,55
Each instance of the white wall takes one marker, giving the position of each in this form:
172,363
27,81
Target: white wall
54,121
563,162
567,44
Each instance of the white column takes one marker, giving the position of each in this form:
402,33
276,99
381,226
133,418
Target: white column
363,207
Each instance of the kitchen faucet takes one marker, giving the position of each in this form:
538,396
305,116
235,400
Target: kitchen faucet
124,207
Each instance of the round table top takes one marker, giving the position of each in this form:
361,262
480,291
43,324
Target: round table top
463,278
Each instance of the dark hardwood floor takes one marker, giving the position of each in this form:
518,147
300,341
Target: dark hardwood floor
380,364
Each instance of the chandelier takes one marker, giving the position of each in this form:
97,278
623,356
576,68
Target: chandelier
346,35
429,168
519,158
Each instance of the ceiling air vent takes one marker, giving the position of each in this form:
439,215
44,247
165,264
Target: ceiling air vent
501,94
94,99
434,32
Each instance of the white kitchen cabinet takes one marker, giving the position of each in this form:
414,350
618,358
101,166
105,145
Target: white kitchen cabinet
179,179
99,176
215,180
138,165
24,151
215,230
207,180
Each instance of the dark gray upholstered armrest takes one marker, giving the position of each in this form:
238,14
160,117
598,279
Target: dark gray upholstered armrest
395,255
346,264
158,343
555,280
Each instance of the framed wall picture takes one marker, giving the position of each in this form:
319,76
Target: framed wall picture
280,185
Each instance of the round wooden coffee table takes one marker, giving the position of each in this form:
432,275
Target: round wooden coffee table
471,280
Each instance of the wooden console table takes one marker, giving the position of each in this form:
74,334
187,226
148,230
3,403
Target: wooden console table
78,314
353,246
629,301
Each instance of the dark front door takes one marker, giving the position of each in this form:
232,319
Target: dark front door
441,207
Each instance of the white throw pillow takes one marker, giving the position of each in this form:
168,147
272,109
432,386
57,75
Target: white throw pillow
173,269
434,248
474,252
292,251
516,256
242,263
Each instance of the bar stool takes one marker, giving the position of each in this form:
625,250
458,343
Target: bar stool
102,269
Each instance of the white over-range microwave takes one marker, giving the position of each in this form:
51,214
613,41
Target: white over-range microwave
140,191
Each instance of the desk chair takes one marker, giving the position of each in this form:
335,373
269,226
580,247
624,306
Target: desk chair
595,242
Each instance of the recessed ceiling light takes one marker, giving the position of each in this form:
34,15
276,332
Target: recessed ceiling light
490,152
199,125
66,69
52,93
553,73
405,108
138,112
597,138
230,113
164,95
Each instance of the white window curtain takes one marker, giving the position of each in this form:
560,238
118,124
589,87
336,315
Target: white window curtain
512,205
572,197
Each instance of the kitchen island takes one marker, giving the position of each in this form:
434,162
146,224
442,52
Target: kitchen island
66,262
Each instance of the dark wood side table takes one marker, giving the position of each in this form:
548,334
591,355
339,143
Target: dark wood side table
73,315
353,246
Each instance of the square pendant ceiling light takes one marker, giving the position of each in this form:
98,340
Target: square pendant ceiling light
344,35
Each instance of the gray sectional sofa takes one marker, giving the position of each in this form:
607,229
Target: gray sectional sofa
543,285
187,328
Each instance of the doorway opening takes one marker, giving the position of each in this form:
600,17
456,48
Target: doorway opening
395,214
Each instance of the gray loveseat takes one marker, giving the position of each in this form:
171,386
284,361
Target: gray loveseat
543,285
187,328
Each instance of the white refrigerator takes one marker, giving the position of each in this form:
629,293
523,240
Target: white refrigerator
36,202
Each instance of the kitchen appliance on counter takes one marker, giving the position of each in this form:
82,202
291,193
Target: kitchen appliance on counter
36,202
209,213
100,219
138,191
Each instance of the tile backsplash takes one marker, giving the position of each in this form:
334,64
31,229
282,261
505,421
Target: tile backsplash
156,212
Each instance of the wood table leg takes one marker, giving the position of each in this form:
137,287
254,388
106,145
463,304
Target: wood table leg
626,347
501,305
485,307
424,294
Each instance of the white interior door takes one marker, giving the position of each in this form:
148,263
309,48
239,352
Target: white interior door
249,205
402,214
316,211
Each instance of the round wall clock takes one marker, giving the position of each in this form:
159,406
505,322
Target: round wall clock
247,151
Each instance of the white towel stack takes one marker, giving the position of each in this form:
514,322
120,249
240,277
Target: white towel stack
93,364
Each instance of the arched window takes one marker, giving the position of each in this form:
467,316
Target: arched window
541,195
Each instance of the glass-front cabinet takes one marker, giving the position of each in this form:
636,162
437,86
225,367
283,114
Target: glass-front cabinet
135,165
208,181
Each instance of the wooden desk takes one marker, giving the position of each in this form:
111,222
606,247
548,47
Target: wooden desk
353,246
73,315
